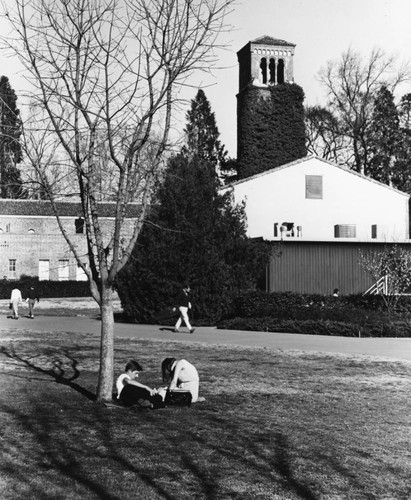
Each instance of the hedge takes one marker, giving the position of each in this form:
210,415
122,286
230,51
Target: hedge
46,289
349,316
319,327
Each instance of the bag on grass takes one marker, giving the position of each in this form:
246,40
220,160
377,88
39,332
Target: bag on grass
178,398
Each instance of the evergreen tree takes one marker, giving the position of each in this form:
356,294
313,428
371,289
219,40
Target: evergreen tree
194,235
401,175
383,137
202,135
10,147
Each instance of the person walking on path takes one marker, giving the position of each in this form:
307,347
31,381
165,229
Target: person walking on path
32,298
15,301
183,304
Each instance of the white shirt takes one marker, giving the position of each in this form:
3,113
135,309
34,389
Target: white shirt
16,295
120,383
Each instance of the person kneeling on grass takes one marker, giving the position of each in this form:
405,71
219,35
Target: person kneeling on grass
131,392
181,375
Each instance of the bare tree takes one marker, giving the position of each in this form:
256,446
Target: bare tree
323,135
352,84
390,269
97,69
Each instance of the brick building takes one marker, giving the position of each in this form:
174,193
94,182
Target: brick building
32,244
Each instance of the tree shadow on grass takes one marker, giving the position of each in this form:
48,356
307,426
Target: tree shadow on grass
57,372
265,455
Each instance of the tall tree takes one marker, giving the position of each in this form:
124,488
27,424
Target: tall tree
195,234
101,69
11,185
202,135
384,135
351,84
401,172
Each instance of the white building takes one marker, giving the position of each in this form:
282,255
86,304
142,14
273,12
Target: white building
312,199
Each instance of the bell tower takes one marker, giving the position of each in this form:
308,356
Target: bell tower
270,111
266,61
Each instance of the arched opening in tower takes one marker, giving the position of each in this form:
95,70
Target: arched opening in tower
271,68
280,71
263,67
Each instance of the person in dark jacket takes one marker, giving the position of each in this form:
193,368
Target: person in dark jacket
32,298
183,305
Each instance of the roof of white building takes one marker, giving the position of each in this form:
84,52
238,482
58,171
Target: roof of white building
313,157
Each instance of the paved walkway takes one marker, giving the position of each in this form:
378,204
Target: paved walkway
399,349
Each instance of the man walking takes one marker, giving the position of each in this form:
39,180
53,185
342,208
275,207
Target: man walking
32,298
15,301
184,304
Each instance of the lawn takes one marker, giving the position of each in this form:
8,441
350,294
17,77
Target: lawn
275,425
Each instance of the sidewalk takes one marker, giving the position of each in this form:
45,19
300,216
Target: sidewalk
388,348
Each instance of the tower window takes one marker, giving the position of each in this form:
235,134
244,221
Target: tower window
280,71
263,67
271,68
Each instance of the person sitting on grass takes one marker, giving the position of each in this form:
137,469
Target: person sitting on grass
181,375
130,392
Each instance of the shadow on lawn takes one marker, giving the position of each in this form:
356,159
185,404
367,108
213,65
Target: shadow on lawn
54,451
75,444
58,373
265,454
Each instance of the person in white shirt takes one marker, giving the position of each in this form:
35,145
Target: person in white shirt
131,392
15,301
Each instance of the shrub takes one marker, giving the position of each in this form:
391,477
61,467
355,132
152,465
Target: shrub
46,289
352,315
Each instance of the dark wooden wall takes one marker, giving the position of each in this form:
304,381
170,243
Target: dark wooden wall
319,267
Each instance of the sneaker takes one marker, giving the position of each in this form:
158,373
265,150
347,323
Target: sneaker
145,403
176,331
192,330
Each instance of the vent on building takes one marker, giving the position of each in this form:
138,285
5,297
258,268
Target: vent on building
374,231
314,187
345,231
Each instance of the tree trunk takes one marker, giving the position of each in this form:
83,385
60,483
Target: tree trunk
105,384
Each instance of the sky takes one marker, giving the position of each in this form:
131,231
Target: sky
321,29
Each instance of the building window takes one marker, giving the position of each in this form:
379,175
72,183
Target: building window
345,231
271,67
79,225
280,71
314,187
63,270
44,270
12,269
263,66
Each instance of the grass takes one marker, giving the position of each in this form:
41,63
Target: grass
275,425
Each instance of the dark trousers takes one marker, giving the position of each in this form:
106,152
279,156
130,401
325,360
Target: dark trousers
130,395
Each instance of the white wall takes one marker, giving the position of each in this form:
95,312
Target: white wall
348,198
